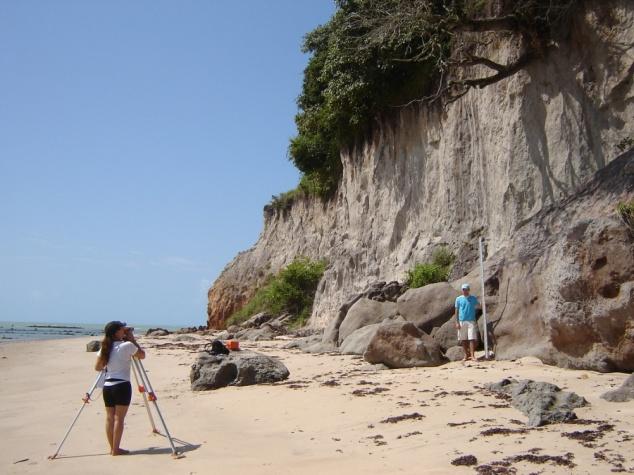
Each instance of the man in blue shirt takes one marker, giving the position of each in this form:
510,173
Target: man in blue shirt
466,321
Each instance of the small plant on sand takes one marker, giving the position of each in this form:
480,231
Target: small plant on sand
429,273
291,291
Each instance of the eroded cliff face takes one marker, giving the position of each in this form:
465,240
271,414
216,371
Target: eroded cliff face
481,166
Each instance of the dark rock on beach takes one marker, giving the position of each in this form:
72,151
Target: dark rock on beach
93,346
543,403
157,332
242,368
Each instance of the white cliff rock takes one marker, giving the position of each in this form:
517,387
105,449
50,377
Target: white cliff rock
481,167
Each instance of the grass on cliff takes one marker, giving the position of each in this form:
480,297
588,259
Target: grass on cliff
429,273
626,212
291,291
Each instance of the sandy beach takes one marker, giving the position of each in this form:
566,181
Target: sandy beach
335,414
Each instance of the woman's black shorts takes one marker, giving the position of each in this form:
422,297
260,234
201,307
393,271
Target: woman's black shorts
118,395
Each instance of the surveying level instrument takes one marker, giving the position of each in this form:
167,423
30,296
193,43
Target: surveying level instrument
144,387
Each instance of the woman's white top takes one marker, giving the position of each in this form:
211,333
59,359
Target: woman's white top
119,362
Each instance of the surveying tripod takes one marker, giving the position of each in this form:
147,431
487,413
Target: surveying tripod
145,388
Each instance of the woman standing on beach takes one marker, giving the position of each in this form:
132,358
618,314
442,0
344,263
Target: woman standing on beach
117,349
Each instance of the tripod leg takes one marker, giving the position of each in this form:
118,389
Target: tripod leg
86,399
152,398
142,389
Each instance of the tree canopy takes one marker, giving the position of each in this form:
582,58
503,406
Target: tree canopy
376,55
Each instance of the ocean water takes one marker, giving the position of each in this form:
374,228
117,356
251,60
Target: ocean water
24,331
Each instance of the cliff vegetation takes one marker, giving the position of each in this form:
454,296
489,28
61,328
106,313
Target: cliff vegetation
377,55
291,291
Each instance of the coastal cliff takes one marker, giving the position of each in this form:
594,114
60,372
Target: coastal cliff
483,165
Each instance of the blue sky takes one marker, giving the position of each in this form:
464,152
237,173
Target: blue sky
139,142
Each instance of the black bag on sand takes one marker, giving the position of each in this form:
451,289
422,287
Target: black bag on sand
217,348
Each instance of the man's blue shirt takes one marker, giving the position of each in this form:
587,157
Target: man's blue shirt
466,308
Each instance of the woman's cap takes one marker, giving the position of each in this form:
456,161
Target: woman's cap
113,327
465,287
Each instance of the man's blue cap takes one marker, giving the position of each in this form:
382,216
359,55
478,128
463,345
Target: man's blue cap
465,287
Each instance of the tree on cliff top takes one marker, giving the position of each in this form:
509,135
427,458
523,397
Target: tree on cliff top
374,55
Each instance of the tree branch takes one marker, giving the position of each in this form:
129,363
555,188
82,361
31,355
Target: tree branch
474,60
502,74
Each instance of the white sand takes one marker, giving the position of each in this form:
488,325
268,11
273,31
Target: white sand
299,427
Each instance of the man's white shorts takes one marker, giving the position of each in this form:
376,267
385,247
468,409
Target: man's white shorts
468,331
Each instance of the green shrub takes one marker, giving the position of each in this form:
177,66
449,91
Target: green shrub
426,273
626,212
443,257
291,291
284,201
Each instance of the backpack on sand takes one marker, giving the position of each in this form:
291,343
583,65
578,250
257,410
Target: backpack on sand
217,348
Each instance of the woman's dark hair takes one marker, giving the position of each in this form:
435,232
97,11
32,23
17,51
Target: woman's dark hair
106,344
106,348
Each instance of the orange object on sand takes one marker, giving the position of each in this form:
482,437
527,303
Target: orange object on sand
233,345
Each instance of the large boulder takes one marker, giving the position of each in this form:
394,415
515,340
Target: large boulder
242,368
330,337
429,306
365,312
379,291
543,403
566,282
403,345
357,342
447,335
455,353
622,394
